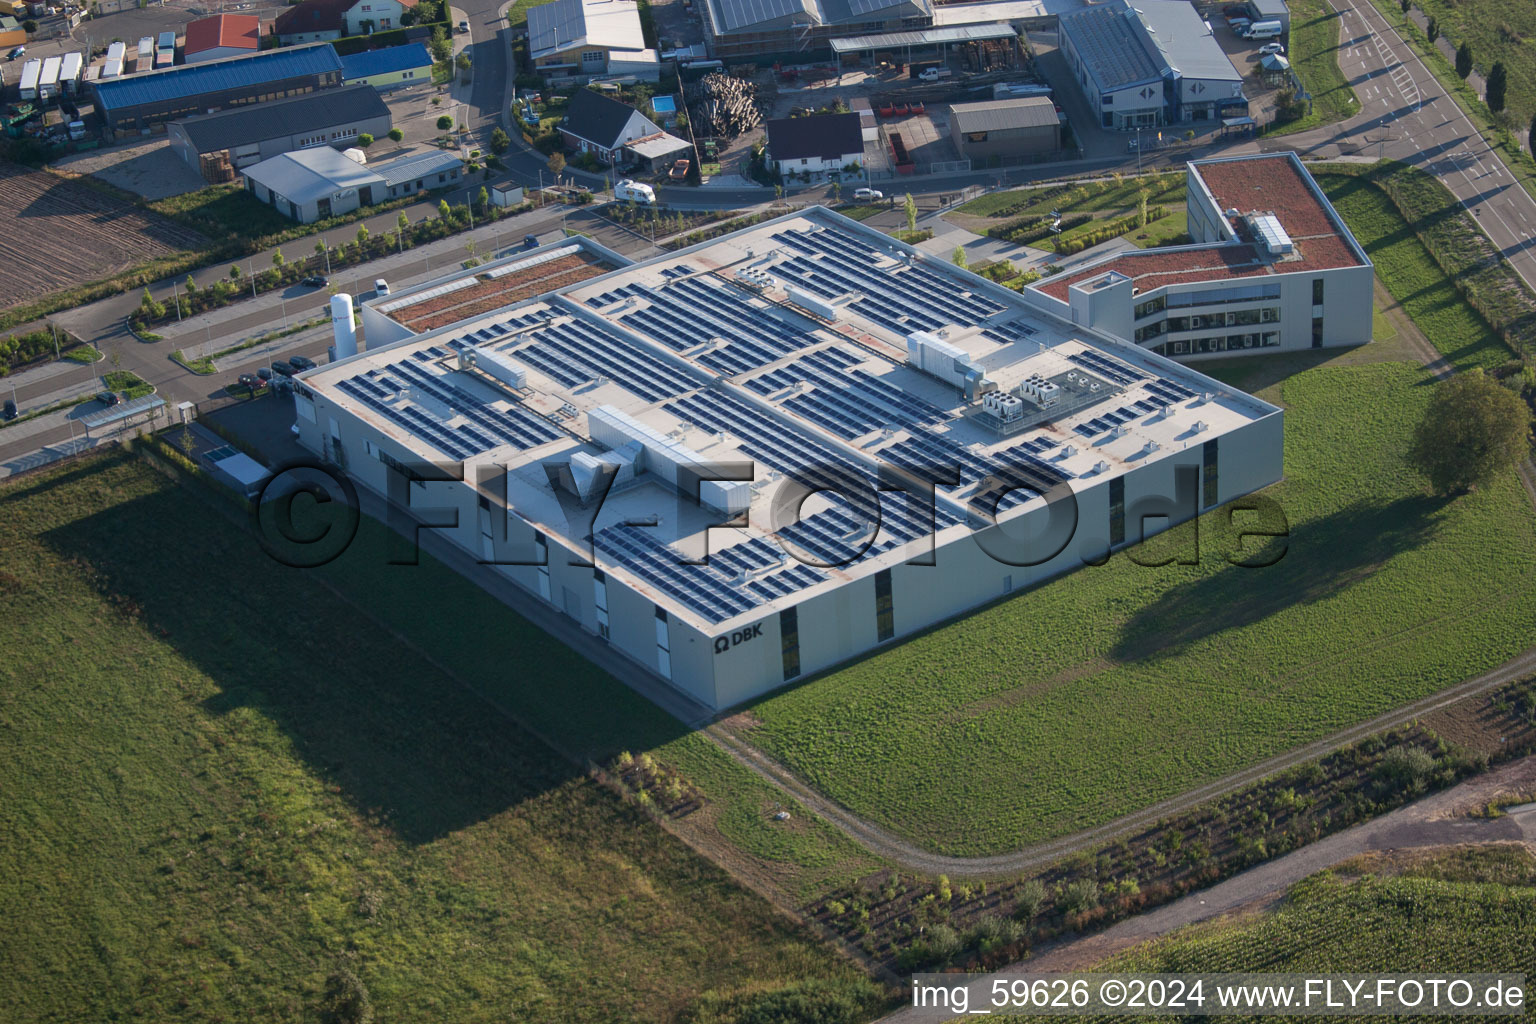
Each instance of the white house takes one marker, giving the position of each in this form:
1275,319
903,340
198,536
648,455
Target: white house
815,145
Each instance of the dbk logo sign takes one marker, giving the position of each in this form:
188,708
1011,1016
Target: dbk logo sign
741,636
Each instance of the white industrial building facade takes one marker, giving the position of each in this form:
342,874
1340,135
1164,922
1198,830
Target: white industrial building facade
944,442
1149,64
1272,268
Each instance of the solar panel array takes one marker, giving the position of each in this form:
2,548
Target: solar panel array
1169,391
848,405
514,425
1118,372
576,352
688,313
902,300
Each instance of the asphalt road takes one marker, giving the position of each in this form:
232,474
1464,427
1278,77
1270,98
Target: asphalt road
1406,115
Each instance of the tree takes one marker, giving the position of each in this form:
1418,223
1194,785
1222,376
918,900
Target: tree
277,258
362,235
441,48
557,163
958,257
189,285
910,205
444,123
396,136
1498,82
1464,60
1432,30
346,1000
500,141
444,211
484,198
29,27
234,273
402,222
319,247
1141,209
1473,428
365,140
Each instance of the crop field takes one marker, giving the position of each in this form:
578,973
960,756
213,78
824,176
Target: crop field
63,233
1456,911
220,801
1115,687
1314,55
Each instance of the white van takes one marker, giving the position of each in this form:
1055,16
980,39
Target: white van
1263,30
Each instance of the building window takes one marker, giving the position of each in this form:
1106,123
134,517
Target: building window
600,601
1209,458
591,56
1317,292
789,638
1117,511
1151,306
885,613
542,543
663,644
1317,332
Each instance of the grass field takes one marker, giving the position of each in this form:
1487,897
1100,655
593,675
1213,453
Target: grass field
1314,55
218,796
1078,197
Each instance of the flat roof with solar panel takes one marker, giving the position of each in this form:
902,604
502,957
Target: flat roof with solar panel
813,351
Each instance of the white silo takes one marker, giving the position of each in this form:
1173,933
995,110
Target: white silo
341,325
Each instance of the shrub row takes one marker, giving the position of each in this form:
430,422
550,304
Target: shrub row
18,350
1110,229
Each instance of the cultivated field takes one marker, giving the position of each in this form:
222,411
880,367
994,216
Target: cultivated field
221,802
1456,910
63,233
1115,687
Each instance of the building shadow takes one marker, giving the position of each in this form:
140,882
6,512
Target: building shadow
411,746
1321,559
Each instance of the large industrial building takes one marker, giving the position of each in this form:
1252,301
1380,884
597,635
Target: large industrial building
719,461
1150,63
147,102
1272,268
313,184
217,145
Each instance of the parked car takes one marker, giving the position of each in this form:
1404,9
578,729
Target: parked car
251,382
264,374
108,398
20,51
283,368
679,169
302,363
867,194
464,27
530,241
381,287
316,281
10,409
1272,48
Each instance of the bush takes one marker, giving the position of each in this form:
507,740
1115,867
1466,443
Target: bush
1406,767
346,1000
1081,895
1030,899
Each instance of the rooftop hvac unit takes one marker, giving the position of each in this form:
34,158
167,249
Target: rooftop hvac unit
494,364
1101,467
1199,427
812,304
949,363
1042,392
755,278
674,463
1006,408
1068,452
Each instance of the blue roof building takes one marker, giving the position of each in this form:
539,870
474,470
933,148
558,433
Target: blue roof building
388,68
142,101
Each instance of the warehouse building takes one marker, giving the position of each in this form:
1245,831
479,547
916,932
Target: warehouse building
146,102
1005,129
312,184
719,462
389,68
223,35
217,145
1149,64
583,39
1272,269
